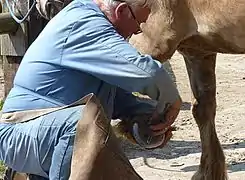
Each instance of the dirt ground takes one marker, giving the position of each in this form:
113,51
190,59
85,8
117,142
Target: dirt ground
180,158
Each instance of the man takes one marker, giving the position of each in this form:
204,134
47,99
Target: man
82,50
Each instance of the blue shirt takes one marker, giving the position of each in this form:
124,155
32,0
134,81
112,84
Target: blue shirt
79,52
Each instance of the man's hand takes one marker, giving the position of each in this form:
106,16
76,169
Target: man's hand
158,133
170,116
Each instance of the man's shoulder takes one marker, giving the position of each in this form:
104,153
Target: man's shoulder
81,8
75,15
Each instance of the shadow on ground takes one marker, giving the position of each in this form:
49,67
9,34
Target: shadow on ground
231,167
176,149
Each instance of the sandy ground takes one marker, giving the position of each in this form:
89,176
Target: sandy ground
180,158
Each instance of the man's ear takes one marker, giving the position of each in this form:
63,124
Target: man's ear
121,10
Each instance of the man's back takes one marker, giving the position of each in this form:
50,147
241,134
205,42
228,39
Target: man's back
43,80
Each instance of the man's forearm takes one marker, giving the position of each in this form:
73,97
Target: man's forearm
164,89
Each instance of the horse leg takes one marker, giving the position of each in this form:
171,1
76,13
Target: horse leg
201,71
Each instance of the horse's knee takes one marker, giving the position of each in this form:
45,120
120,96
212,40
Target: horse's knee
204,111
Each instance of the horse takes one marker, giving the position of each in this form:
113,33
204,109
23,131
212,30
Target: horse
198,30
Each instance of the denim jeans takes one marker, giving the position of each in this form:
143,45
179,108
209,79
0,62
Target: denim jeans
42,146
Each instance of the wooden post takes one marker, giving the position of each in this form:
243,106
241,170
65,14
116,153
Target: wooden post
10,66
7,24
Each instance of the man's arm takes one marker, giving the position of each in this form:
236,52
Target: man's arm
94,47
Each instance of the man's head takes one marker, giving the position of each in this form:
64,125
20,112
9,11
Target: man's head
125,15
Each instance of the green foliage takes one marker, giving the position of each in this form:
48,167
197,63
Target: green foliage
2,166
2,169
1,104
